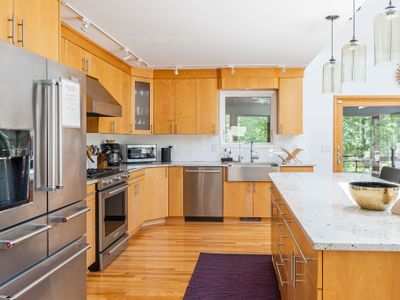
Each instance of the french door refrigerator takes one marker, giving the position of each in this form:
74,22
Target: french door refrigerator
42,178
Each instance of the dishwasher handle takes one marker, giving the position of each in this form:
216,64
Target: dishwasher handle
202,171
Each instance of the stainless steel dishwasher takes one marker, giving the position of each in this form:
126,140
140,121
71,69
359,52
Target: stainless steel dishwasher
203,194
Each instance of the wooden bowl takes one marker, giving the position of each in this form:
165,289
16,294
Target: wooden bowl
374,195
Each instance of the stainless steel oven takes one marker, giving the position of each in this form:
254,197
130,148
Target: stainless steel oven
112,218
139,153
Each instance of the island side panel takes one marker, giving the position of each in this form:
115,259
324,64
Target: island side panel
360,275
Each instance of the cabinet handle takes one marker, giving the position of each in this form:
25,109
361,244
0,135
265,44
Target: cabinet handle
83,64
151,128
170,128
22,40
283,236
254,187
295,242
12,36
176,128
87,65
166,173
338,156
249,187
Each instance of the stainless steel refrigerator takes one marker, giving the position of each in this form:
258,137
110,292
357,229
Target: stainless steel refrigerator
42,178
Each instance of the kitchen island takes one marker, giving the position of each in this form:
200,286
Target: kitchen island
325,246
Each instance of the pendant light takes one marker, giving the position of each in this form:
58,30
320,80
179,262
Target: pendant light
354,57
387,36
331,75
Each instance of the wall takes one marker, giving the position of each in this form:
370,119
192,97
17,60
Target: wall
318,108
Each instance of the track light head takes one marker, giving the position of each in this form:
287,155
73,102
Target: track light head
127,55
176,71
233,71
85,24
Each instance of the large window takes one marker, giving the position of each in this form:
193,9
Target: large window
247,116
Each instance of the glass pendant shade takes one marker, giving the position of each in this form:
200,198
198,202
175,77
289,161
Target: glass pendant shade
354,61
331,77
387,36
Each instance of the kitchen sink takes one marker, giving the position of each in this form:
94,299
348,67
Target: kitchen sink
250,171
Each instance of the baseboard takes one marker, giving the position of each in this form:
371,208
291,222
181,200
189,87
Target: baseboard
153,222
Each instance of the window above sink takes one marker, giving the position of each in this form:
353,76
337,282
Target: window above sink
247,116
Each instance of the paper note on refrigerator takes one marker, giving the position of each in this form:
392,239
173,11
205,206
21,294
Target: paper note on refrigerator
71,103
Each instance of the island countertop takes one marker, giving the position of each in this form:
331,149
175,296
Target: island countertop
330,219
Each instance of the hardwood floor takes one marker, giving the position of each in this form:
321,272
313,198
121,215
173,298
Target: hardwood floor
159,260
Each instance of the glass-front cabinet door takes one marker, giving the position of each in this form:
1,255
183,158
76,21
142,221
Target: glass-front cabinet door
143,106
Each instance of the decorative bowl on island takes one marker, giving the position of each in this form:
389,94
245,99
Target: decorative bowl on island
374,195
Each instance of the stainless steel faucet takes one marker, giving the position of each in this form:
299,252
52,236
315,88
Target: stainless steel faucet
253,154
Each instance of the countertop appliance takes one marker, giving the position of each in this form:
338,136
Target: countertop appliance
203,193
111,215
139,153
166,154
112,151
42,178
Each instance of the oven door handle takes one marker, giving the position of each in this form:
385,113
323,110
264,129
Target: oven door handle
118,245
65,219
8,244
45,275
116,191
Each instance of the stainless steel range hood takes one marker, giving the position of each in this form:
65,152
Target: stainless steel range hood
100,103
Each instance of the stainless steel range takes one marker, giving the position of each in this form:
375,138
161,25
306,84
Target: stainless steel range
112,215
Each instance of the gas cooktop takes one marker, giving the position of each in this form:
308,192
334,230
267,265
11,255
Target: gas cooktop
98,173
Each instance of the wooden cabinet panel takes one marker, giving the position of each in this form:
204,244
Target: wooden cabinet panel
238,200
307,169
185,106
290,106
164,108
74,56
207,106
6,13
125,122
40,29
241,83
175,191
91,229
135,200
262,199
156,194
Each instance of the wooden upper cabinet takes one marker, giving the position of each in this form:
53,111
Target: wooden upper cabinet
207,106
185,106
74,56
164,108
142,106
290,106
6,14
37,24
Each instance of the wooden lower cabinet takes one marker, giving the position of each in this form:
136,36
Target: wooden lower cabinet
304,273
175,192
302,169
91,225
136,192
247,199
155,202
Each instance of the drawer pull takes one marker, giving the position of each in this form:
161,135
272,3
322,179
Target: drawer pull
279,209
283,236
12,36
281,282
8,244
46,275
63,219
295,242
118,245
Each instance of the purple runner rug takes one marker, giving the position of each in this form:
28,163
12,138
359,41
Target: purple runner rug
233,276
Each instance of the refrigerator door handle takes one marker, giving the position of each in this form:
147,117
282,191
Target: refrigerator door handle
52,129
59,142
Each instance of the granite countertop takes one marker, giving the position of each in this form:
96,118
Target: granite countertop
331,220
137,167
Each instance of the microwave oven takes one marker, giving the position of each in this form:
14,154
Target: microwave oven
139,153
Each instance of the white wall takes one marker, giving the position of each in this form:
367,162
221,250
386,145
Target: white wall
318,107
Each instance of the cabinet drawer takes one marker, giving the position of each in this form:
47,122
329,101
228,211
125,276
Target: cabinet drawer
22,246
67,225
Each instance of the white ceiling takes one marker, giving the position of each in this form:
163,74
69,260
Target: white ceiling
214,32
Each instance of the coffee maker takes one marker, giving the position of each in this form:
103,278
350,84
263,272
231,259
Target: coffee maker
112,151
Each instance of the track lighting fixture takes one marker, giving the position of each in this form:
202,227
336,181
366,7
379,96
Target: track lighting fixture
176,71
283,69
127,55
85,24
233,71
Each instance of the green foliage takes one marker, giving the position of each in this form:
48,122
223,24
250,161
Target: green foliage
256,129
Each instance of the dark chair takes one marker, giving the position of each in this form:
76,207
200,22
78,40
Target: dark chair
390,174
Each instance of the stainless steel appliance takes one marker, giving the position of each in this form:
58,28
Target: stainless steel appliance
166,154
203,193
112,216
112,151
42,178
139,153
